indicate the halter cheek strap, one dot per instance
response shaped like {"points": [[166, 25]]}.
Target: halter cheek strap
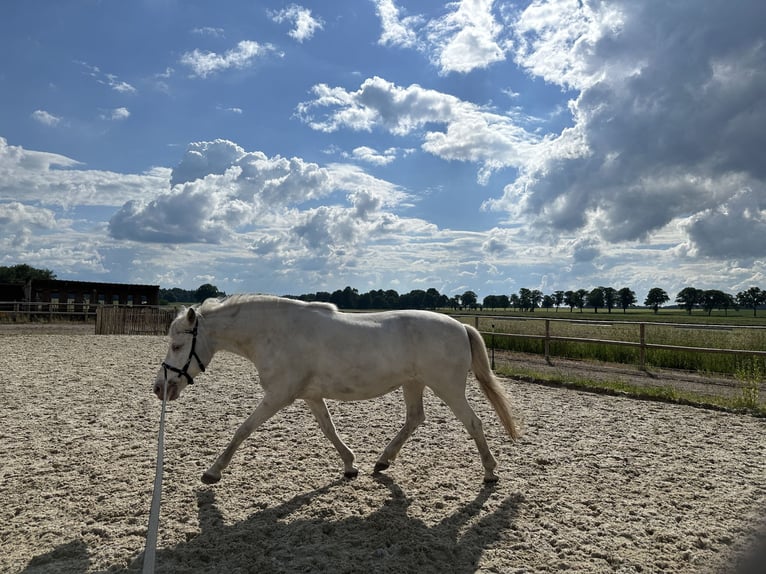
{"points": [[184, 371]]}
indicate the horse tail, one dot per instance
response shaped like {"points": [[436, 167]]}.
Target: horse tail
{"points": [[489, 384]]}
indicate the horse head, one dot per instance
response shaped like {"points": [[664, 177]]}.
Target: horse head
{"points": [[186, 357]]}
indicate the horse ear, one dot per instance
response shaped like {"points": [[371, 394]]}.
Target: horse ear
{"points": [[191, 315]]}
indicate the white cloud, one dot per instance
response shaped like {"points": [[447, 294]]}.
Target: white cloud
{"points": [[472, 133], [52, 179], [45, 118], [396, 31], [304, 24], [242, 56], [371, 155], [667, 117], [200, 212], [118, 85], [466, 38], [117, 114], [110, 80], [18, 221], [209, 31]]}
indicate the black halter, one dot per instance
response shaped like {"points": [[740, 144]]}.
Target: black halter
{"points": [[184, 371]]}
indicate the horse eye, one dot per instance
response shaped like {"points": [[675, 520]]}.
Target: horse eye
{"points": [[176, 347]]}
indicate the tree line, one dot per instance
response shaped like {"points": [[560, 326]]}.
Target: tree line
{"points": [[527, 300]]}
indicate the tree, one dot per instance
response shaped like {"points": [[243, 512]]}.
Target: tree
{"points": [[490, 302], [23, 273], [547, 302], [525, 299], [688, 297], [610, 297], [558, 299], [570, 300], [714, 299], [537, 298], [580, 296], [469, 299], [433, 299], [207, 291], [655, 298], [596, 298], [751, 298], [626, 298]]}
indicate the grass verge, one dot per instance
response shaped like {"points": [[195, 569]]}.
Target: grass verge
{"points": [[745, 402]]}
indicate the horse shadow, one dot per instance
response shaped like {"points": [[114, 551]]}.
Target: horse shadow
{"points": [[387, 540]]}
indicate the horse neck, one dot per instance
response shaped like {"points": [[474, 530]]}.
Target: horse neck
{"points": [[234, 328]]}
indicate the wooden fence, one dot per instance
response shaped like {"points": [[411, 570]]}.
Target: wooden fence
{"points": [[639, 343], [144, 320]]}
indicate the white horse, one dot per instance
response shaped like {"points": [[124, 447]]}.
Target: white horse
{"points": [[311, 351]]}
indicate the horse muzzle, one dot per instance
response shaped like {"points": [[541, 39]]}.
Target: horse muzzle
{"points": [[173, 389]]}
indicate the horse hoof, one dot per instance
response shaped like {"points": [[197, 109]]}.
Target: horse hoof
{"points": [[351, 474], [380, 467], [209, 478], [491, 479]]}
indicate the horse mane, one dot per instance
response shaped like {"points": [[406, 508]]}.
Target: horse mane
{"points": [[248, 298]]}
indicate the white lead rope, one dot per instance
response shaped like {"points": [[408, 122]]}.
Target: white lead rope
{"points": [[154, 512]]}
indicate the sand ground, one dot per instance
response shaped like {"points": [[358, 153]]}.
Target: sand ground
{"points": [[597, 483]]}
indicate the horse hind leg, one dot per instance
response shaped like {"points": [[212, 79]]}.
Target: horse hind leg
{"points": [[322, 415], [413, 400], [458, 404]]}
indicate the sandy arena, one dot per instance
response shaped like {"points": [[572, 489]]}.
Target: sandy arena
{"points": [[597, 483]]}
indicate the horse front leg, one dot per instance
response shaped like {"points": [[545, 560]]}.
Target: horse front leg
{"points": [[267, 408], [322, 415]]}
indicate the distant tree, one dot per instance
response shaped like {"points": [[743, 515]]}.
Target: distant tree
{"points": [[469, 299], [207, 291], [525, 299], [503, 302], [548, 302], [514, 301], [415, 299], [655, 298], [432, 299], [558, 299], [610, 297], [537, 298], [688, 297], [490, 302], [346, 299], [454, 302], [23, 273], [570, 300], [625, 298], [596, 298], [581, 296], [751, 298], [714, 299]]}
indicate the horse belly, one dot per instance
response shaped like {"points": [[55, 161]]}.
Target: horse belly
{"points": [[353, 385]]}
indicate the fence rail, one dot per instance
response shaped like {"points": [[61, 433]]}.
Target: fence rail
{"points": [[108, 319], [22, 311], [641, 343]]}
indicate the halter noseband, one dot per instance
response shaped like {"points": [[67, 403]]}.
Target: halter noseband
{"points": [[184, 371]]}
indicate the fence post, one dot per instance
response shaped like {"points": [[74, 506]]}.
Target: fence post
{"points": [[547, 340], [476, 322], [642, 342]]}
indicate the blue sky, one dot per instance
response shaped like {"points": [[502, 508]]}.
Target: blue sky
{"points": [[290, 148]]}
